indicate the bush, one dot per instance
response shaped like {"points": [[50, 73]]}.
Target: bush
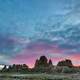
{"points": [[69, 70]]}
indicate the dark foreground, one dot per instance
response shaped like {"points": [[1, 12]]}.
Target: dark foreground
{"points": [[39, 77]]}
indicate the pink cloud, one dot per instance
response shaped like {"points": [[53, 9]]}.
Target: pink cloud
{"points": [[29, 55], [30, 61], [34, 51], [75, 58]]}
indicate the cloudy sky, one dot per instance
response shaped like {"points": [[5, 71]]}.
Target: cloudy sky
{"points": [[31, 28]]}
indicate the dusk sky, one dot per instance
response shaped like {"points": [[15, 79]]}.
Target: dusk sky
{"points": [[31, 28]]}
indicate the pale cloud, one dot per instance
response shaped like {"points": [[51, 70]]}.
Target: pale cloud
{"points": [[4, 59]]}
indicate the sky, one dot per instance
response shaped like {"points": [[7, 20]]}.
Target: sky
{"points": [[31, 28]]}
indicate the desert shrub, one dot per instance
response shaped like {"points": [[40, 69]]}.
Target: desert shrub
{"points": [[69, 70]]}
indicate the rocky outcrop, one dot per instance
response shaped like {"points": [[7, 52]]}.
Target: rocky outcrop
{"points": [[50, 62], [43, 62], [43, 65], [66, 62]]}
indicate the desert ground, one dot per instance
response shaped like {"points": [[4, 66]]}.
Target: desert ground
{"points": [[40, 76]]}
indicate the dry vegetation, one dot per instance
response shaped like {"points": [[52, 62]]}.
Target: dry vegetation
{"points": [[40, 77]]}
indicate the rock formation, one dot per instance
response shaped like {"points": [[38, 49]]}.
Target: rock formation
{"points": [[43, 65], [66, 62], [43, 62]]}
